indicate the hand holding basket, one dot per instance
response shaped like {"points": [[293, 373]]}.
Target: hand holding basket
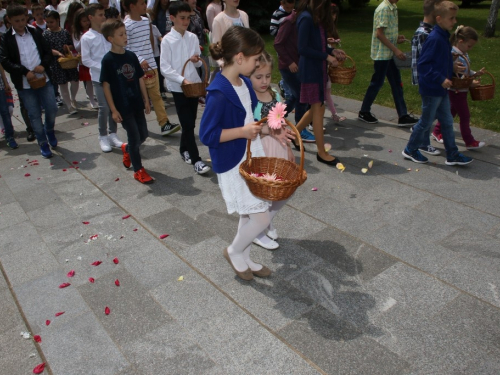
{"points": [[342, 74], [193, 90], [69, 61], [483, 92]]}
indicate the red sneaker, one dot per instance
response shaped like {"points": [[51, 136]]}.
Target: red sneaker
{"points": [[437, 137], [475, 145], [142, 176], [126, 156]]}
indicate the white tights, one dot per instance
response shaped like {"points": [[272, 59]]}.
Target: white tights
{"points": [[90, 92], [250, 227], [65, 92]]}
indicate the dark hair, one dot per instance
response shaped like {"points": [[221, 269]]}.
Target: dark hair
{"points": [[334, 33], [321, 12], [111, 12], [464, 33], [93, 8], [235, 40], [178, 7], [126, 4], [429, 6], [73, 7], [77, 27], [156, 9], [14, 10], [36, 7], [53, 14], [110, 26]]}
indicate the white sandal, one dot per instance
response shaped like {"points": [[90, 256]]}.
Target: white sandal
{"points": [[336, 118]]}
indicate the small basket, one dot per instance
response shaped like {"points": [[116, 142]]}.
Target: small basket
{"points": [[464, 81], [483, 92], [69, 61], [150, 78], [341, 74], [193, 90], [38, 82], [293, 175], [403, 64]]}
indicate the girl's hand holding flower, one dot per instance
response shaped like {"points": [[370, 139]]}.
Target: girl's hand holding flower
{"points": [[251, 130]]}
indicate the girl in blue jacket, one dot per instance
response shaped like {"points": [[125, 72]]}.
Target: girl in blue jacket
{"points": [[226, 125]]}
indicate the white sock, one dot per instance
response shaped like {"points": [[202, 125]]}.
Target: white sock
{"points": [[237, 259], [264, 239], [253, 266]]}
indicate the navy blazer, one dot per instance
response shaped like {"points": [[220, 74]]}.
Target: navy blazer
{"points": [[312, 58]]}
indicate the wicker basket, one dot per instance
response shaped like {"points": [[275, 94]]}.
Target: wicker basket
{"points": [[403, 64], [150, 78], [341, 74], [293, 175], [69, 61], [462, 82], [193, 90], [483, 92], [38, 82]]}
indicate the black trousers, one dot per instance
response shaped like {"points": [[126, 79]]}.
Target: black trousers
{"points": [[187, 109], [137, 131]]}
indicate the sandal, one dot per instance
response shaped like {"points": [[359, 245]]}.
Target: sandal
{"points": [[336, 118]]}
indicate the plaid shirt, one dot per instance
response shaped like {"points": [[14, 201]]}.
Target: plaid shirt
{"points": [[386, 16], [417, 42]]}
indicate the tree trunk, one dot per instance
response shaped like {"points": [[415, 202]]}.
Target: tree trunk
{"points": [[489, 30]]}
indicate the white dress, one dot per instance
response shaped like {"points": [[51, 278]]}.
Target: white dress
{"points": [[232, 185]]}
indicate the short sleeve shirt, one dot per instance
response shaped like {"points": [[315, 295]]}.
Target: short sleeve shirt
{"points": [[122, 72], [386, 16]]}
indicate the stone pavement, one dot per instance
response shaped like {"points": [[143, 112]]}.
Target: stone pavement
{"points": [[395, 271]]}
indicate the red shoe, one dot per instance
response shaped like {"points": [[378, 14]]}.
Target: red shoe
{"points": [[142, 176], [475, 145], [126, 156], [437, 137]]}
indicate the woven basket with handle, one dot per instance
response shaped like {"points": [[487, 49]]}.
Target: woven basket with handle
{"points": [[37, 82], [69, 61], [341, 74], [483, 92], [193, 90], [150, 78], [463, 81], [293, 175]]}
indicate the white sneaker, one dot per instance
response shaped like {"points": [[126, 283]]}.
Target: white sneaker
{"points": [[200, 167], [114, 141], [72, 110], [104, 143], [272, 245], [73, 104], [310, 128]]}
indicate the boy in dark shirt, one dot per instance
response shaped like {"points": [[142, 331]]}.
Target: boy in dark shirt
{"points": [[126, 94]]}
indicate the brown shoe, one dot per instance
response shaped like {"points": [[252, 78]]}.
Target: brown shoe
{"points": [[264, 272], [245, 275]]}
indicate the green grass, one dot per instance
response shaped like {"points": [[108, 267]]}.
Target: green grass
{"points": [[355, 29]]}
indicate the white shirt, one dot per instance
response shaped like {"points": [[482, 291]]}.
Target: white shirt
{"points": [[28, 53], [112, 3], [176, 49], [94, 46], [62, 9]]}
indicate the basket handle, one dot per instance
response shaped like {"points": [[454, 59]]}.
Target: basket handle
{"points": [[492, 78], [204, 64], [297, 135], [463, 76], [350, 58]]}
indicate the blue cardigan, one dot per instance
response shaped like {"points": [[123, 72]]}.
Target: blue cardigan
{"points": [[224, 110], [435, 63], [310, 49]]}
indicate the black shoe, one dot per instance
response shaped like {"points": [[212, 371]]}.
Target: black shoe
{"points": [[407, 120], [170, 128], [30, 137], [297, 147], [367, 117], [333, 162]]}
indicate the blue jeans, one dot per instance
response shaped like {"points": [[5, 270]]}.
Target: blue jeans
{"points": [[293, 82], [434, 107], [4, 112], [34, 100], [385, 68]]}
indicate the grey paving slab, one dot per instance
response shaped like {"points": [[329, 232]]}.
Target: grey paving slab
{"points": [[51, 216], [473, 244], [19, 355], [22, 235], [8, 311], [129, 304], [11, 214], [81, 346], [33, 198], [6, 195]]}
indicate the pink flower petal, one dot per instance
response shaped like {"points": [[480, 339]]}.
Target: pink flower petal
{"points": [[162, 236], [39, 368], [86, 222], [37, 338], [107, 310], [390, 150], [117, 179], [96, 263], [75, 162], [314, 189], [125, 217], [59, 313], [117, 282], [71, 273], [94, 237], [47, 322], [64, 170], [135, 229], [116, 261], [27, 175], [64, 285], [91, 279], [276, 116]]}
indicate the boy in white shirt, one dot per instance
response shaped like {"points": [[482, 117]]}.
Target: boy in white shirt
{"points": [[178, 46], [94, 46]]}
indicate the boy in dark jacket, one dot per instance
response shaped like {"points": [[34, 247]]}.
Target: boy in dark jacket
{"points": [[435, 68], [26, 55]]}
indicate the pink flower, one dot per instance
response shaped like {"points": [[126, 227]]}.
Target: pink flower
{"points": [[276, 116]]}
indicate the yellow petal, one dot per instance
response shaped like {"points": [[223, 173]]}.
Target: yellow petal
{"points": [[364, 170], [370, 164], [180, 278], [416, 170], [408, 169], [340, 167], [328, 147]]}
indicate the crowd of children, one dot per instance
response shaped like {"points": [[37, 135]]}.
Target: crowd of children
{"points": [[133, 52]]}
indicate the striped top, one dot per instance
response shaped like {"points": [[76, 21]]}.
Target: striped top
{"points": [[138, 40]]}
